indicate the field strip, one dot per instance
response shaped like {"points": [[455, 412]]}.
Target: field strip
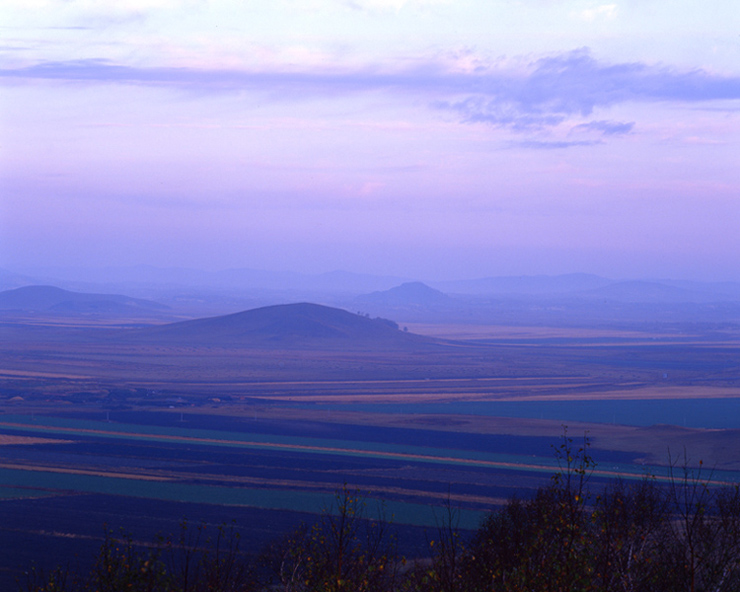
{"points": [[369, 490], [502, 393], [645, 393], [336, 450], [483, 394], [172, 476], [38, 374], [8, 440], [312, 502], [355, 384], [48, 469], [464, 331], [285, 446]]}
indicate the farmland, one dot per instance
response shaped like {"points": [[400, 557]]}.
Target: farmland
{"points": [[101, 430]]}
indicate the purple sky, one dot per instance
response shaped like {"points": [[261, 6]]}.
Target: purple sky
{"points": [[429, 139]]}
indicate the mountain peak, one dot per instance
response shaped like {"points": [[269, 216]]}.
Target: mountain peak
{"points": [[407, 294]]}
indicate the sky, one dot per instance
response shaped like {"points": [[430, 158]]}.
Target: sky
{"points": [[433, 139]]}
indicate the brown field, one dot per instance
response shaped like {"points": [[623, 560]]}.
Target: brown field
{"points": [[460, 331], [10, 440]]}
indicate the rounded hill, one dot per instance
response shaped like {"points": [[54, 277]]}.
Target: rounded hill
{"points": [[407, 294], [286, 326]]}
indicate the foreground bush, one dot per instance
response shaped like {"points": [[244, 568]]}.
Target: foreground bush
{"points": [[343, 551], [637, 537]]}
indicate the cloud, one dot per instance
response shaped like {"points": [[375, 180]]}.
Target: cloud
{"points": [[606, 128], [555, 88], [479, 109], [534, 95], [553, 144]]}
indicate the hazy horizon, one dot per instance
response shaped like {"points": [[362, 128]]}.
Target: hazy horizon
{"points": [[425, 139], [143, 273], [92, 273]]}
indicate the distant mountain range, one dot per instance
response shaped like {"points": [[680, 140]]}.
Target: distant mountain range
{"points": [[564, 300], [525, 284], [145, 276], [144, 279], [50, 299], [632, 305]]}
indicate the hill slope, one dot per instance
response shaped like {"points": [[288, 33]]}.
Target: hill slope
{"points": [[301, 325]]}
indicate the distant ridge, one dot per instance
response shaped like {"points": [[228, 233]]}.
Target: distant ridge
{"points": [[407, 294], [286, 326], [526, 284], [648, 291], [56, 300], [10, 280], [176, 278]]}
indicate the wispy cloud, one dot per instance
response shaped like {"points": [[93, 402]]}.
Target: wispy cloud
{"points": [[503, 113], [540, 94], [553, 144], [574, 84], [607, 128]]}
